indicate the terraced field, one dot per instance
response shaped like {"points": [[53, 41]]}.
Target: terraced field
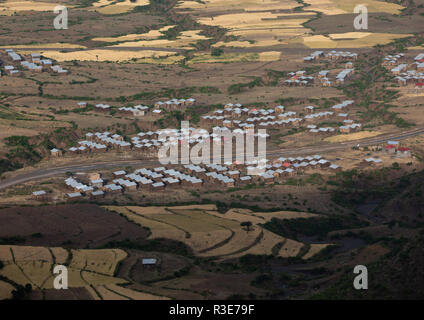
{"points": [[212, 234], [90, 269]]}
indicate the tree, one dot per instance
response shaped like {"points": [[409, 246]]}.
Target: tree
{"points": [[216, 52], [246, 224]]}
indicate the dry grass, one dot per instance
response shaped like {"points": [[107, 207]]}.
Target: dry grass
{"points": [[352, 136], [57, 45], [60, 255], [183, 41], [111, 7], [152, 34], [34, 265], [290, 248], [104, 55], [320, 41], [102, 261], [10, 7], [5, 290], [333, 7], [268, 241], [203, 227], [26, 253], [260, 21]]}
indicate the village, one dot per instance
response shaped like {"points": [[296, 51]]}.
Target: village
{"points": [[13, 64], [233, 119]]}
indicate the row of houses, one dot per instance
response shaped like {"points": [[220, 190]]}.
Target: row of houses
{"points": [[391, 60], [331, 55], [175, 104], [406, 73]]}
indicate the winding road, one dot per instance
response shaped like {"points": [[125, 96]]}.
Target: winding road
{"points": [[37, 173]]}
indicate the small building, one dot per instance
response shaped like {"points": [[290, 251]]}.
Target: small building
{"points": [[391, 149], [149, 261], [74, 196], [119, 173], [56, 153], [97, 194], [40, 195], [404, 152]]}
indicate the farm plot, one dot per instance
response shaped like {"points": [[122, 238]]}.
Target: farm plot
{"points": [[241, 215], [112, 7], [236, 57], [212, 234], [291, 248], [200, 232], [103, 55], [258, 22], [183, 41], [11, 7], [337, 41], [332, 7], [353, 136], [152, 34], [114, 292], [102, 261], [34, 265]]}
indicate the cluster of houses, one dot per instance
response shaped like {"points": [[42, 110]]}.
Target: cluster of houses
{"points": [[136, 111], [299, 78], [175, 104], [393, 148], [36, 64], [196, 176], [331, 55], [237, 116], [407, 73]]}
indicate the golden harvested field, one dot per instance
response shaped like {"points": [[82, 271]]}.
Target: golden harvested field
{"points": [[259, 22], [352, 136], [113, 7], [183, 41], [26, 253], [152, 34], [10, 7], [362, 41], [332, 7], [213, 234], [290, 248], [104, 55], [248, 5], [34, 265], [5, 290], [61, 255], [268, 241], [56, 45]]}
